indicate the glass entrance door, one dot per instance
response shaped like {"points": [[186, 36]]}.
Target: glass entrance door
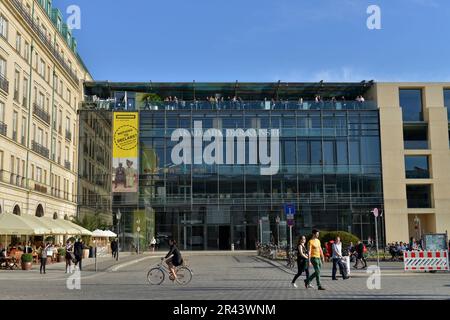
{"points": [[192, 237], [219, 238]]}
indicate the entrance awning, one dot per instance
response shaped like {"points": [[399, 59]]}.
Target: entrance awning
{"points": [[103, 234], [47, 223], [11, 224], [74, 228]]}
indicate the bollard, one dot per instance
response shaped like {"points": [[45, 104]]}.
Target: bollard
{"points": [[232, 247]]}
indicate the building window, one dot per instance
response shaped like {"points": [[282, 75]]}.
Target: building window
{"points": [[15, 125], [2, 68], [415, 137], [19, 43], [447, 102], [3, 27], [38, 174], [417, 167], [40, 136], [2, 112], [26, 53], [53, 149], [411, 104], [418, 196], [16, 85], [25, 92], [23, 131], [42, 68]]}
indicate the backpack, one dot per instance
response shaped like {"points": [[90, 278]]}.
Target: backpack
{"points": [[364, 248]]}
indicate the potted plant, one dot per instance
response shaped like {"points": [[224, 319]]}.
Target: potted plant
{"points": [[61, 254], [27, 261]]}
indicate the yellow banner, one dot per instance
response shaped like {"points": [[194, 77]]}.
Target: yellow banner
{"points": [[125, 152], [126, 134]]}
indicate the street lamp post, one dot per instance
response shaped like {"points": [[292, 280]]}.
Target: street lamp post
{"points": [[118, 216]]}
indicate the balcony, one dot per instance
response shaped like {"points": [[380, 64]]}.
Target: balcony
{"points": [[4, 84], [3, 129], [14, 135], [45, 40], [67, 165], [232, 105], [68, 135], [41, 113], [36, 147]]}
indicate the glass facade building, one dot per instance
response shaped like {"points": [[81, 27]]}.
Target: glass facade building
{"points": [[329, 163]]}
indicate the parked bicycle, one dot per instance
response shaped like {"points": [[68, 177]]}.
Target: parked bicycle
{"points": [[156, 275], [291, 259]]}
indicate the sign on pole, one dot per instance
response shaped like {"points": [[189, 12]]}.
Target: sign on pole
{"points": [[289, 210]]}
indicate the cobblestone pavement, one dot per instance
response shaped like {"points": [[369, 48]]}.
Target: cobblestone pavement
{"points": [[232, 276]]}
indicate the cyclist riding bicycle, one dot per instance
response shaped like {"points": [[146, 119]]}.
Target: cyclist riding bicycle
{"points": [[173, 259]]}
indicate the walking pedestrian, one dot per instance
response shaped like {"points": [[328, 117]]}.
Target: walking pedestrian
{"points": [[69, 256], [315, 259], [44, 249], [114, 248], [78, 251], [302, 260], [360, 255], [153, 244], [337, 260]]}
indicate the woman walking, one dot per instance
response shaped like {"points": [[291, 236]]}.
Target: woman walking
{"points": [[69, 256], [302, 260], [44, 257]]}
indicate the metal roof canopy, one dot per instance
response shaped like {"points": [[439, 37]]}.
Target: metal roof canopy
{"points": [[244, 90]]}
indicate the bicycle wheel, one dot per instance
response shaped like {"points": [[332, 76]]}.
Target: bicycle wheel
{"points": [[155, 276], [184, 276]]}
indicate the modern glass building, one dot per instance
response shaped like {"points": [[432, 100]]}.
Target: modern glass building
{"points": [[328, 152]]}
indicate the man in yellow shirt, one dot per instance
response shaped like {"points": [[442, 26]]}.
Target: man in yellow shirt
{"points": [[316, 258]]}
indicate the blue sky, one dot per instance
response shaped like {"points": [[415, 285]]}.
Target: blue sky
{"points": [[263, 40]]}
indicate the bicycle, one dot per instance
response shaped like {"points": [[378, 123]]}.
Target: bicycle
{"points": [[291, 260], [156, 275]]}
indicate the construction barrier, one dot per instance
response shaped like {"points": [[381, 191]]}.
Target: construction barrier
{"points": [[426, 260]]}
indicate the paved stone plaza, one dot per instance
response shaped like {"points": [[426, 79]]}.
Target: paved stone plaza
{"points": [[217, 276]]}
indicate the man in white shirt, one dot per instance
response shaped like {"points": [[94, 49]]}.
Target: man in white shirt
{"points": [[337, 259]]}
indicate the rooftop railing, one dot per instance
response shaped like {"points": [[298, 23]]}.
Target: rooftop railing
{"points": [[229, 105]]}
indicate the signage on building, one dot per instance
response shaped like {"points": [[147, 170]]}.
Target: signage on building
{"points": [[125, 152]]}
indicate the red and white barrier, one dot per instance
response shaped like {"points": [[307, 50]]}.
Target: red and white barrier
{"points": [[426, 260]]}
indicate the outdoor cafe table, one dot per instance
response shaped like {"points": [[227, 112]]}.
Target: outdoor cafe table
{"points": [[8, 263]]}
